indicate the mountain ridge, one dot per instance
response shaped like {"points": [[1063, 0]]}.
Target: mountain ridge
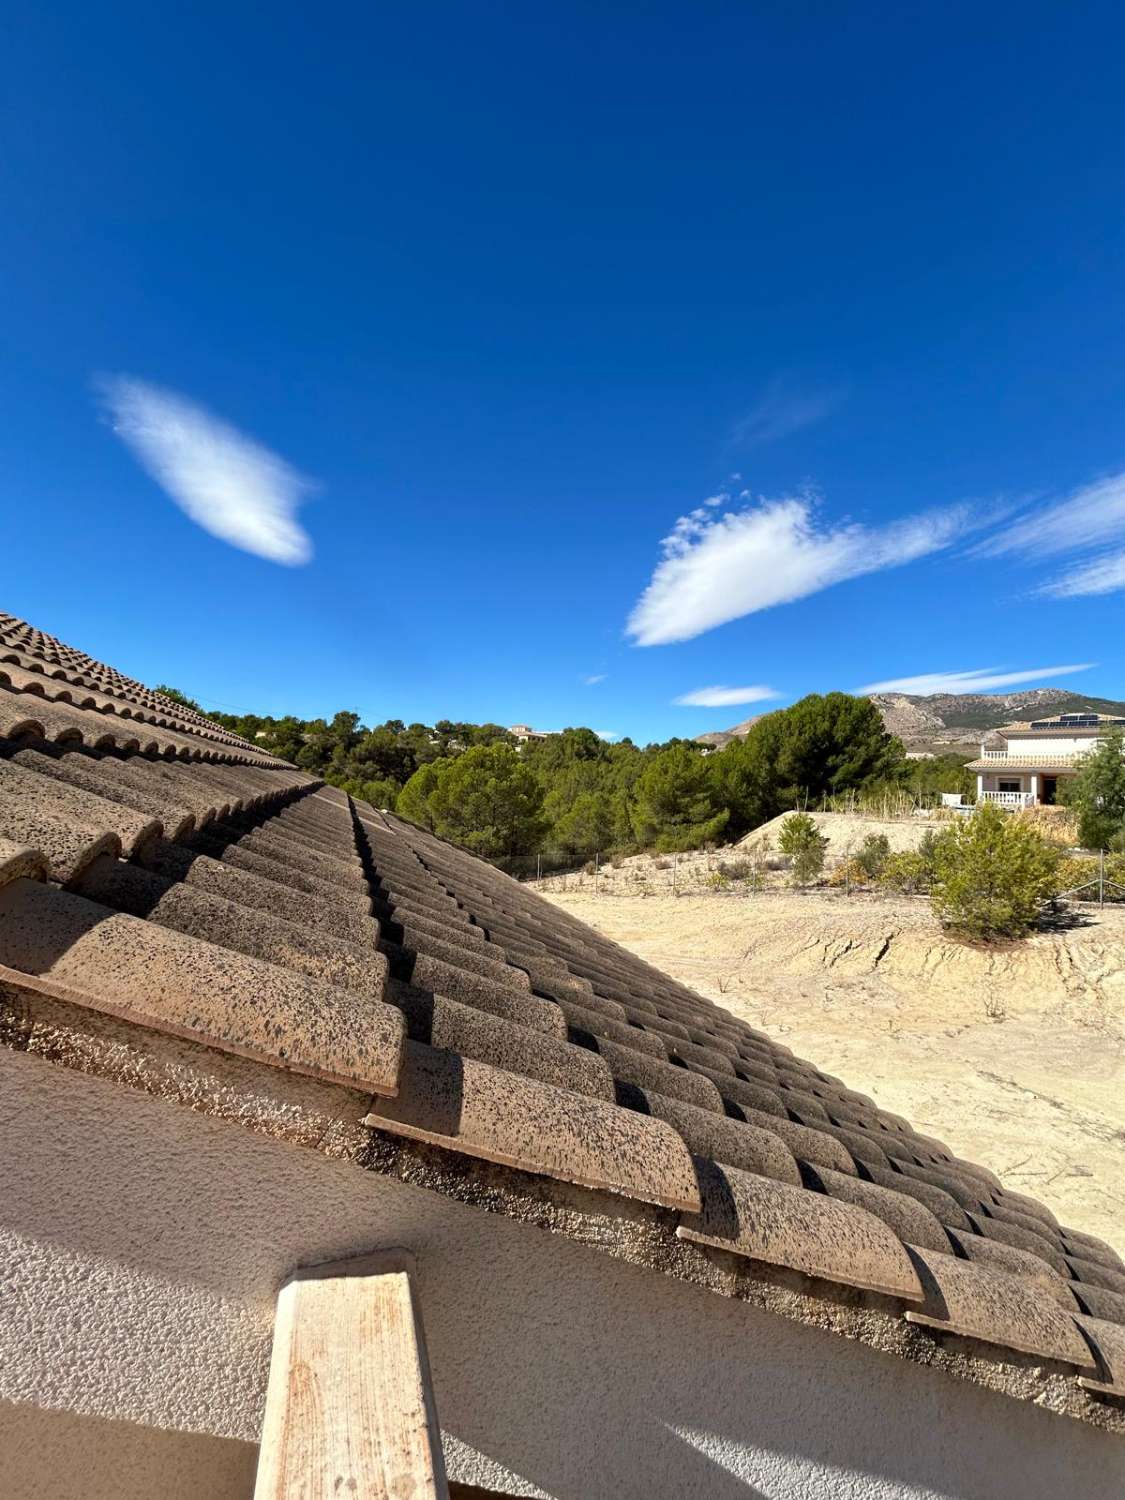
{"points": [[950, 720]]}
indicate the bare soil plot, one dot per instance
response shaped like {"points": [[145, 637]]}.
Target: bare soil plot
{"points": [[1014, 1056]]}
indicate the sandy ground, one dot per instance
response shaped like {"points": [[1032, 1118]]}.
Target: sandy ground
{"points": [[1015, 1057]]}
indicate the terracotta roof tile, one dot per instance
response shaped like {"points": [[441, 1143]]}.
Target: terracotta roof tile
{"points": [[910, 1220], [1108, 1340], [159, 977], [502, 1117], [18, 862], [790, 1226], [967, 1298]]}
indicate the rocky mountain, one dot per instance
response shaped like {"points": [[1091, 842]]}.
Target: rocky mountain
{"points": [[720, 737], [950, 721]]}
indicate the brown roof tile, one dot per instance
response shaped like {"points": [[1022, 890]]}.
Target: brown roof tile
{"points": [[790, 1226], [1108, 1340], [502, 1117], [967, 1298], [159, 977]]}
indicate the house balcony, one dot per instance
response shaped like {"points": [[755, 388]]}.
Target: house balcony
{"points": [[1014, 800], [1008, 758]]}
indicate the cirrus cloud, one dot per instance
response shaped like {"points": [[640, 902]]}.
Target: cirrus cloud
{"points": [[724, 697], [719, 567], [226, 482], [978, 680], [1088, 524]]}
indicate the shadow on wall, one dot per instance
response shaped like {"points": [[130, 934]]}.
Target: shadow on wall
{"points": [[58, 1455], [608, 1379]]}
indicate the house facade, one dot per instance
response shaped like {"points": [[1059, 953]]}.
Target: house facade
{"points": [[523, 734], [1037, 757]]}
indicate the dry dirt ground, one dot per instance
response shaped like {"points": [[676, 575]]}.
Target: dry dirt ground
{"points": [[1015, 1056]]}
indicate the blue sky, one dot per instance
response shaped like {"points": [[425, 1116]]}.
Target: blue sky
{"points": [[435, 364]]}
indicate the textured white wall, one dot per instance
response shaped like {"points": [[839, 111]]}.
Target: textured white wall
{"points": [[142, 1245], [1051, 744]]}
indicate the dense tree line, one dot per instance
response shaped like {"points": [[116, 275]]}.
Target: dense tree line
{"points": [[573, 795]]}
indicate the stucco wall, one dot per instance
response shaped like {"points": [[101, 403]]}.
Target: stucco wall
{"points": [[142, 1245]]}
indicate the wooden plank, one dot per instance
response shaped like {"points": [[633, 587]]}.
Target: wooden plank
{"points": [[349, 1407]]}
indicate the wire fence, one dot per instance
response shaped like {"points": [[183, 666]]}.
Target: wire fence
{"points": [[1099, 888]]}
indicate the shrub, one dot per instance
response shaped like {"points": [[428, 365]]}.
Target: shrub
{"points": [[907, 872], [803, 841], [1077, 871], [848, 872], [873, 854], [1057, 825], [1097, 793], [994, 874], [738, 869], [716, 881], [1073, 872]]}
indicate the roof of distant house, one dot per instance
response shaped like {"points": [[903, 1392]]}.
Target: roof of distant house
{"points": [[158, 871]]}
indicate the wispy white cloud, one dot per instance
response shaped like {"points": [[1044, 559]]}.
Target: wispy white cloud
{"points": [[718, 568], [1088, 525], [226, 482], [783, 409], [979, 680], [1105, 575], [607, 734], [723, 697], [596, 678]]}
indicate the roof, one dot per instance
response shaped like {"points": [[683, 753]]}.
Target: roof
{"points": [[1061, 724], [155, 870], [1042, 762]]}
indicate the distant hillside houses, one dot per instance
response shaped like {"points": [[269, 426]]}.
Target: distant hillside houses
{"points": [[523, 733]]}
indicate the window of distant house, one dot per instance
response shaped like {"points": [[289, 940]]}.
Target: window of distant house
{"points": [[1010, 786]]}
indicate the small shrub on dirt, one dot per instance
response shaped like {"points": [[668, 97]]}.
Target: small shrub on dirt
{"points": [[737, 869], [873, 854], [662, 864], [1075, 871], [716, 881], [1057, 825], [847, 873], [907, 873], [994, 875], [803, 841]]}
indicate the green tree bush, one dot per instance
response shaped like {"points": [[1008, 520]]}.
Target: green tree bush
{"points": [[414, 800], [1097, 793], [873, 854], [675, 806], [488, 801], [821, 746], [993, 876], [802, 840], [906, 872]]}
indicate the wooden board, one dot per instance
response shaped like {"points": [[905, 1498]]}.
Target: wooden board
{"points": [[349, 1407]]}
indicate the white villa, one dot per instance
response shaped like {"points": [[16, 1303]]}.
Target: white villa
{"points": [[522, 733], [1036, 757]]}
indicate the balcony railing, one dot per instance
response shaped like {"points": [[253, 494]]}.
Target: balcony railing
{"points": [[1007, 757], [1008, 799]]}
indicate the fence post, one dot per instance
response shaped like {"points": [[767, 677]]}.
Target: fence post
{"points": [[538, 871], [675, 866], [597, 857], [1101, 877]]}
